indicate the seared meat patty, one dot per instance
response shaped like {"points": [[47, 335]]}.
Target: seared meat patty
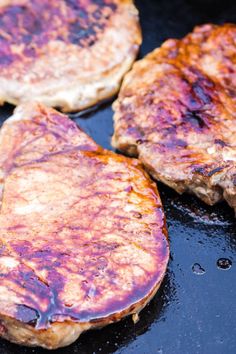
{"points": [[176, 111], [69, 54], [83, 234]]}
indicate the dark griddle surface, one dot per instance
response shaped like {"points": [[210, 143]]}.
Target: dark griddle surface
{"points": [[192, 313]]}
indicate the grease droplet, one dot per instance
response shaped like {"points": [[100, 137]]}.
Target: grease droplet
{"points": [[197, 269], [224, 263]]}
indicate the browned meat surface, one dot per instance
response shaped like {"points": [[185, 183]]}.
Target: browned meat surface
{"points": [[69, 53], [83, 235], [177, 112]]}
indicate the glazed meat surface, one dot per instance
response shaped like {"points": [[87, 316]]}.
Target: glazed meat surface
{"points": [[83, 234], [69, 54], [176, 111]]}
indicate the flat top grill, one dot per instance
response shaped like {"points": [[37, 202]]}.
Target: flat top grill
{"points": [[195, 308]]}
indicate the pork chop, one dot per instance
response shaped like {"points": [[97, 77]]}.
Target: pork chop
{"points": [[176, 111], [83, 235], [69, 54]]}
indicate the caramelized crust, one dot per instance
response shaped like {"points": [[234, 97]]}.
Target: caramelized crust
{"points": [[176, 112], [69, 53], [83, 234]]}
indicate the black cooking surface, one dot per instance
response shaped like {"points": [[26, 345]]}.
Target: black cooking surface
{"points": [[195, 309]]}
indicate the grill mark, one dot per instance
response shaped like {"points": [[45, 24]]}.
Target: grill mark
{"points": [[195, 119], [175, 143], [27, 315], [220, 142], [214, 171], [201, 93]]}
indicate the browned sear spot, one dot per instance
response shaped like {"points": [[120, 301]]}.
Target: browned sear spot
{"points": [[176, 111], [26, 27]]}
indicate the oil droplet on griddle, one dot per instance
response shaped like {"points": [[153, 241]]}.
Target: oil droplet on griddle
{"points": [[224, 263], [197, 269]]}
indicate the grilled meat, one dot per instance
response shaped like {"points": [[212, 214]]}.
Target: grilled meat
{"points": [[83, 234], [69, 54], [177, 112]]}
